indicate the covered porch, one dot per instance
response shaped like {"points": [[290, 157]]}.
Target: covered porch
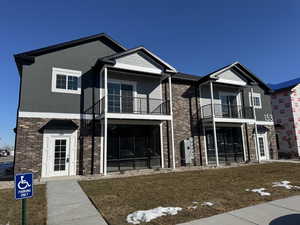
{"points": [[134, 146], [230, 144]]}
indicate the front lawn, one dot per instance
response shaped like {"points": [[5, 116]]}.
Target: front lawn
{"points": [[10, 209], [116, 198]]}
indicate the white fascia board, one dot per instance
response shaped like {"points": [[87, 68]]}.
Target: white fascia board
{"points": [[137, 116], [232, 82], [223, 70], [162, 61], [51, 115], [265, 123], [231, 120], [137, 68]]}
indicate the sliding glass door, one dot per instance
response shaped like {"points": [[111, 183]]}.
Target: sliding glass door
{"points": [[120, 97]]}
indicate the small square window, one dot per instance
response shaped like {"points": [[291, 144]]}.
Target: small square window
{"points": [[72, 83], [256, 100], [66, 81], [61, 81]]}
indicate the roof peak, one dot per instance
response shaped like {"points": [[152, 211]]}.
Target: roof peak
{"points": [[72, 43]]}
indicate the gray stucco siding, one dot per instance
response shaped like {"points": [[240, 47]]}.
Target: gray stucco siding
{"points": [[36, 94], [265, 101], [261, 114]]}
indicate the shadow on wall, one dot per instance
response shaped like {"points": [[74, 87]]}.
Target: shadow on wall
{"points": [[292, 219]]}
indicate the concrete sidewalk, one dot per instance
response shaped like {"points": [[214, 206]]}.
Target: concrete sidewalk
{"points": [[280, 212], [68, 204]]}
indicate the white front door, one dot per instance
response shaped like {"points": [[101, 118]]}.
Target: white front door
{"points": [[59, 154], [263, 146]]}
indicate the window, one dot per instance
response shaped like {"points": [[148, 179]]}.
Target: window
{"points": [[121, 96], [256, 100], [66, 81]]}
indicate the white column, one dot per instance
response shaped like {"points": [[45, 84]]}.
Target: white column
{"points": [[101, 148], [255, 128], [214, 122], [161, 146], [172, 125], [203, 128], [105, 123]]}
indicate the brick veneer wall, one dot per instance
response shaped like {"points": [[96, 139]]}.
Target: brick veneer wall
{"points": [[185, 120], [271, 134], [29, 146]]}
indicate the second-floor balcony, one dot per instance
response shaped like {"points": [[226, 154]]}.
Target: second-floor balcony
{"points": [[227, 111], [131, 105]]}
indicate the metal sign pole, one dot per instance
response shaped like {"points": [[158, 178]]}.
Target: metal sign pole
{"points": [[24, 211]]}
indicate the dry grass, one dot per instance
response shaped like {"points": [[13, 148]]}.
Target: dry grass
{"points": [[10, 209], [116, 198]]}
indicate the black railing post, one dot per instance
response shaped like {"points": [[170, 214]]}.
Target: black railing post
{"points": [[148, 105]]}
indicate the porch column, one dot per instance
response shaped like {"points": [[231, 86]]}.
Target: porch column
{"points": [[172, 125], [161, 146], [214, 122], [255, 128], [105, 123], [102, 146]]}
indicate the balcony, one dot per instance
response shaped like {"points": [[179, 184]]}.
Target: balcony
{"points": [[131, 105], [227, 111]]}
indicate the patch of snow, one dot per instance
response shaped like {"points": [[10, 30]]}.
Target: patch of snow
{"points": [[194, 202], [148, 215], [260, 191], [207, 204], [286, 184]]}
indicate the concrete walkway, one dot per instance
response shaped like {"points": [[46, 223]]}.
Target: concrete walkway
{"points": [[68, 204], [280, 212]]}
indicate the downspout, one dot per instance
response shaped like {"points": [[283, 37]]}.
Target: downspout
{"points": [[255, 128], [246, 127], [198, 122], [214, 122]]}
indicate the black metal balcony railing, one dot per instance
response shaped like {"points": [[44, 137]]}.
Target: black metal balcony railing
{"points": [[129, 104], [227, 111], [137, 105]]}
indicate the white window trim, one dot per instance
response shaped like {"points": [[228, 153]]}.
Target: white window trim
{"points": [[66, 72], [258, 95]]}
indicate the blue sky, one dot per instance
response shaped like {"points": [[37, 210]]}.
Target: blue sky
{"points": [[195, 37]]}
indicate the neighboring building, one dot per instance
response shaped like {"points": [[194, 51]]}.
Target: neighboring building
{"points": [[286, 112], [92, 106]]}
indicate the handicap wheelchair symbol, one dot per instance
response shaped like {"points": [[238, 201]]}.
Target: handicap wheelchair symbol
{"points": [[23, 184]]}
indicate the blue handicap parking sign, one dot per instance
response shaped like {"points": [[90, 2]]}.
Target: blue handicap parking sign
{"points": [[23, 185]]}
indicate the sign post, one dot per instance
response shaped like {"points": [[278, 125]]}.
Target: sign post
{"points": [[23, 190]]}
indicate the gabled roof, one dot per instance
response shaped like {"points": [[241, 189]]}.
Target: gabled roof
{"points": [[112, 58], [102, 36], [285, 85], [238, 67]]}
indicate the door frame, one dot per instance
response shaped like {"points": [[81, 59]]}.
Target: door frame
{"points": [[226, 93], [266, 146], [48, 136], [126, 82]]}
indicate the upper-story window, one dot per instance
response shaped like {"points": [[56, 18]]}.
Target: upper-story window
{"points": [[66, 81], [256, 100]]}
